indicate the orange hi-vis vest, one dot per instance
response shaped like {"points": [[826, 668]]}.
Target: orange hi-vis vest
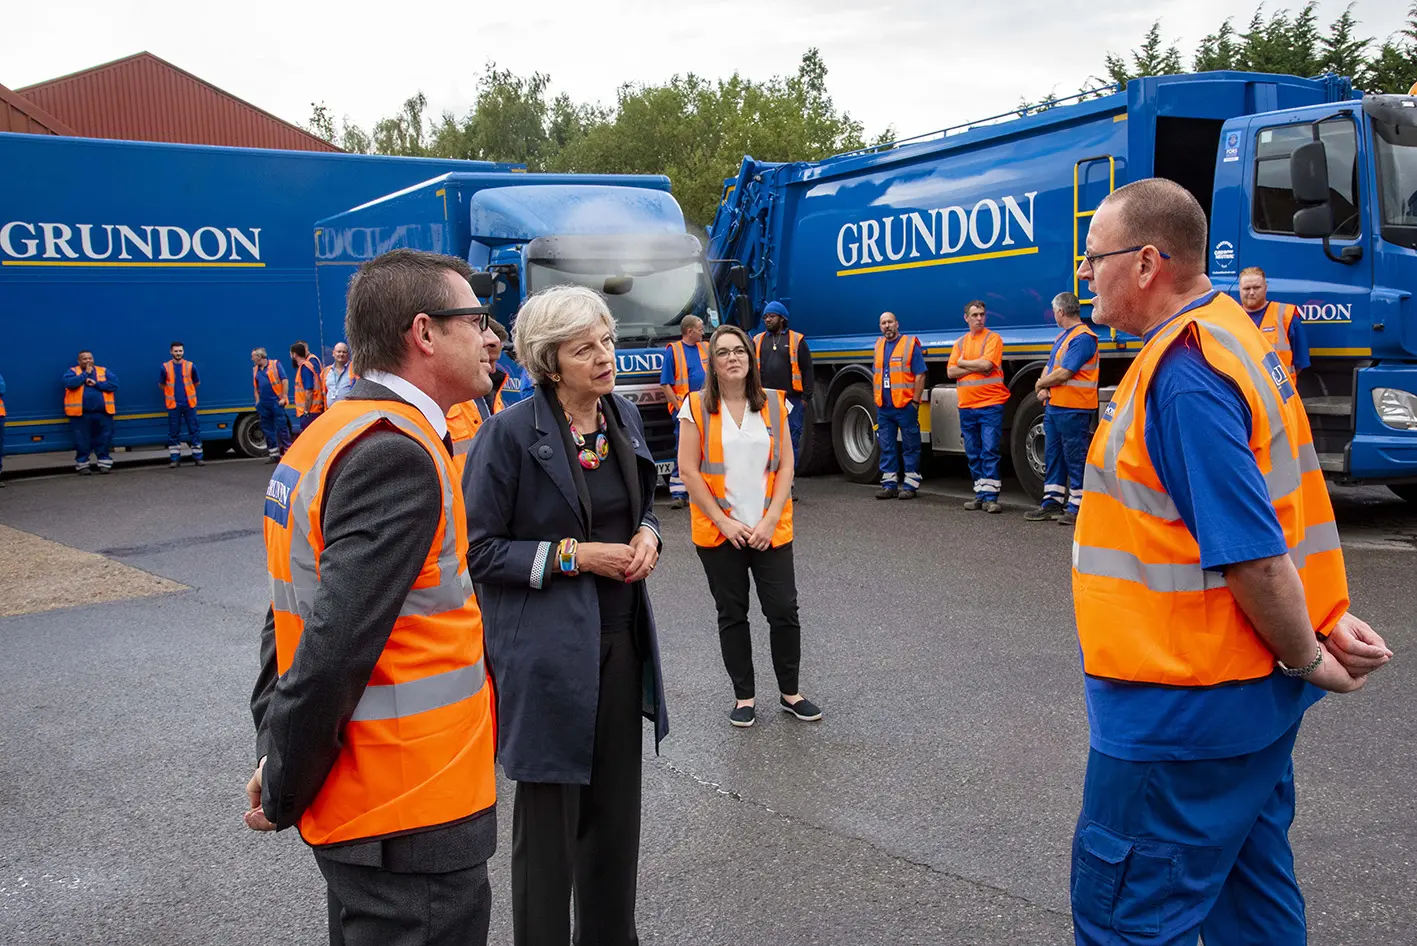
{"points": [[169, 386], [1275, 323], [901, 377], [317, 403], [74, 397], [418, 751], [681, 371], [272, 374], [794, 340], [1146, 610], [1079, 391], [980, 389], [711, 467], [463, 422]]}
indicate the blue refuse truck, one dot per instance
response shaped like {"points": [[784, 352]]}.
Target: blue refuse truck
{"points": [[1307, 178], [621, 235], [123, 247]]}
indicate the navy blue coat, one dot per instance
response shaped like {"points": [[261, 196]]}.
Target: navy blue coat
{"points": [[543, 638]]}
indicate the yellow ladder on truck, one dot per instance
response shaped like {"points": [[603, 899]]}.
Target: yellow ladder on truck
{"points": [[1079, 215]]}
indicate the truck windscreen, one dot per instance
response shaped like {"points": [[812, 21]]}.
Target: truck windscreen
{"points": [[1397, 181], [649, 305]]}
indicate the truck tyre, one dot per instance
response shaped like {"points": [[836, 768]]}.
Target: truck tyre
{"points": [[249, 439], [816, 457], [1407, 491], [854, 434], [1026, 446]]}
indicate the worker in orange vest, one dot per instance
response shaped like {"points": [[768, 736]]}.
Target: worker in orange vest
{"points": [[1068, 389], [1210, 596], [178, 380], [785, 363], [1281, 324], [268, 383], [899, 383], [976, 368], [2, 428], [89, 404], [683, 371], [309, 385]]}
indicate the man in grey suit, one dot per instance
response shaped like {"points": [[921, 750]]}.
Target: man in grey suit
{"points": [[401, 815]]}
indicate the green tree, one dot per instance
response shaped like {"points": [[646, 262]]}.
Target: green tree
{"points": [[1218, 50], [321, 123], [1153, 58], [1344, 52], [403, 133], [1394, 68]]}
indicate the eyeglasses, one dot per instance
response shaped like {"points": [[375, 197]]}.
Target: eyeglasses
{"points": [[1092, 258], [484, 314], [731, 353]]}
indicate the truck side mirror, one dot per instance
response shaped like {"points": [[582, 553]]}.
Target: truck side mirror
{"points": [[617, 285], [743, 312], [1308, 175], [738, 278], [483, 284]]}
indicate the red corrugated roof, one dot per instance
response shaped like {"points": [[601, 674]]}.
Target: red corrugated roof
{"points": [[145, 98], [19, 114]]}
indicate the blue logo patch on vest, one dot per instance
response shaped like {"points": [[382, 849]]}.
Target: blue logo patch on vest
{"points": [[1109, 410], [279, 493], [1278, 375]]}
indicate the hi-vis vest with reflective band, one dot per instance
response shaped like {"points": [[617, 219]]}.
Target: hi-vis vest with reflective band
{"points": [[272, 373], [710, 428], [902, 378], [980, 390], [1079, 391], [1146, 610], [74, 397], [681, 371], [317, 403], [794, 339], [1275, 323], [418, 750], [169, 386], [463, 421]]}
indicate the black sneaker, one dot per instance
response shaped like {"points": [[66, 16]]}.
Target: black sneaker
{"points": [[678, 502], [105, 470], [886, 492], [1044, 513], [84, 471], [201, 462], [273, 458], [1067, 518], [803, 709], [172, 464], [743, 716], [906, 494], [973, 504], [991, 506]]}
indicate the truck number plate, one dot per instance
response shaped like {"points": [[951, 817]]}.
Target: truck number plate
{"points": [[664, 467]]}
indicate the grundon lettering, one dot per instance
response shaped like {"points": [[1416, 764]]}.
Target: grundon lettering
{"points": [[116, 242], [937, 232]]}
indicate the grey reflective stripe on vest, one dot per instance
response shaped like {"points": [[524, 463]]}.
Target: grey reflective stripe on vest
{"points": [[1137, 497], [1164, 577], [1281, 333], [1320, 538], [973, 382], [461, 447], [1075, 383], [398, 700], [448, 595], [774, 428]]}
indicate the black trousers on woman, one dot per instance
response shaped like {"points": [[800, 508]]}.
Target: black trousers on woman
{"points": [[585, 838], [727, 569]]}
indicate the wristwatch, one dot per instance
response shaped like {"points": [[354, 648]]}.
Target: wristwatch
{"points": [[1305, 670]]}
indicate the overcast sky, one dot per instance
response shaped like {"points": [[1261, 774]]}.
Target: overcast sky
{"points": [[914, 64]]}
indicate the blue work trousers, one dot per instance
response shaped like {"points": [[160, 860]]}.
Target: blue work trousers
{"points": [[1066, 437], [306, 419], [176, 418], [795, 418], [275, 425], [1168, 851], [904, 453], [2, 443], [93, 435], [982, 429]]}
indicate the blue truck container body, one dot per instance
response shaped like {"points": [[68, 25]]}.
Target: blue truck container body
{"points": [[999, 212], [123, 247], [536, 230]]}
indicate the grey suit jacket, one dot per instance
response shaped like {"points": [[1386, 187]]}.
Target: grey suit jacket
{"points": [[387, 486]]}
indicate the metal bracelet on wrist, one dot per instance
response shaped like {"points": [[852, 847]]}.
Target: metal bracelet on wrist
{"points": [[1305, 670]]}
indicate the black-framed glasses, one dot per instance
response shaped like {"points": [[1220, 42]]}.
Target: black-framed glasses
{"points": [[483, 312], [1092, 258]]}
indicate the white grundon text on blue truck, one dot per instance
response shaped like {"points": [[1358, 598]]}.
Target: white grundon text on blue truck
{"points": [[23, 243], [940, 232]]}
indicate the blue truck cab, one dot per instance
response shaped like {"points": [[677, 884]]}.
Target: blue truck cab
{"points": [[621, 235]]}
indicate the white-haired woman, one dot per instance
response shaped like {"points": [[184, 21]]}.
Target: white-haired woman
{"points": [[562, 534]]}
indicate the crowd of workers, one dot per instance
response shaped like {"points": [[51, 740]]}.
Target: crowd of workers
{"points": [[436, 564]]}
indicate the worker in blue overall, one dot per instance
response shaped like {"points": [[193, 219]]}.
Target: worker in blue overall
{"points": [[976, 368], [178, 380], [685, 366], [899, 383], [90, 405], [1068, 389], [268, 379], [1211, 602]]}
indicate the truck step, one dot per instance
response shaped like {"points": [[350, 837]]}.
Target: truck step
{"points": [[1331, 462], [1330, 406]]}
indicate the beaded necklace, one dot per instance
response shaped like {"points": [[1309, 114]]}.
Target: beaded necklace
{"points": [[590, 459]]}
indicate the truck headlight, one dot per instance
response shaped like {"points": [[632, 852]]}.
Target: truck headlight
{"points": [[1396, 408]]}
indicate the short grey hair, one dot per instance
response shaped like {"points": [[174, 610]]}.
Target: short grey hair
{"points": [[554, 315], [1066, 304], [254, 351]]}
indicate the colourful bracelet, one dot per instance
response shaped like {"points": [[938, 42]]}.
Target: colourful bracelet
{"points": [[566, 555]]}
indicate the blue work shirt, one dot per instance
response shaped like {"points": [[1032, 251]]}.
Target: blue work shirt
{"points": [[1080, 352], [1198, 436], [917, 362], [691, 360], [93, 394], [179, 390], [1298, 344], [338, 382], [263, 384]]}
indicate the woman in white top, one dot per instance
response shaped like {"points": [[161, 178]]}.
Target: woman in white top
{"points": [[735, 457]]}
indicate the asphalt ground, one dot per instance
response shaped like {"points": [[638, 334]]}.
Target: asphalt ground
{"points": [[934, 804]]}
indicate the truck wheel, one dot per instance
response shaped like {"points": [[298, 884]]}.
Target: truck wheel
{"points": [[1026, 446], [854, 434], [816, 457], [248, 437], [1407, 491]]}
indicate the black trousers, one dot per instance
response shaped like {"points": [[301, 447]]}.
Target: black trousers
{"points": [[727, 569], [370, 906], [585, 838]]}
